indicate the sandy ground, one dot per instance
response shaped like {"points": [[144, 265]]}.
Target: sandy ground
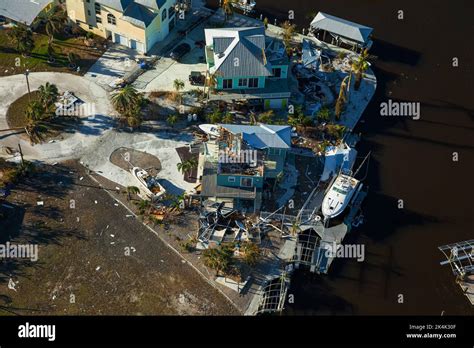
{"points": [[94, 258]]}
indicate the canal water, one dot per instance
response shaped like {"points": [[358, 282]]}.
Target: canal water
{"points": [[412, 160]]}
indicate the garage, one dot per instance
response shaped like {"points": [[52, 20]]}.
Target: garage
{"points": [[137, 45], [120, 39]]}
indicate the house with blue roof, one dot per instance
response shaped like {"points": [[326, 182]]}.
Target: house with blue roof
{"points": [[236, 166], [138, 24], [246, 65]]}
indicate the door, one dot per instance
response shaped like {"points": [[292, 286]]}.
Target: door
{"points": [[137, 45]]}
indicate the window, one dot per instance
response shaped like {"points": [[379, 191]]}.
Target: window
{"points": [[98, 19], [171, 12], [97, 8], [163, 15], [88, 12], [243, 82], [91, 27], [276, 72], [246, 182], [253, 82], [227, 83], [111, 19], [231, 178], [88, 1]]}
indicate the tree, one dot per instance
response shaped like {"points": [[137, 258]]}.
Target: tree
{"points": [[341, 99], [53, 21], [187, 165], [215, 116], [359, 67], [228, 118], [178, 86], [219, 258], [265, 22], [324, 114], [72, 58], [266, 117], [172, 119], [22, 37], [48, 95], [132, 190], [50, 52], [228, 8], [298, 119], [251, 253], [289, 32], [35, 114], [126, 99]]}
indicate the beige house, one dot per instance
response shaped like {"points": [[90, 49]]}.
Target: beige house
{"points": [[138, 24]]}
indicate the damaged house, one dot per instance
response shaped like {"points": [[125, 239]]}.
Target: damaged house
{"points": [[238, 164]]}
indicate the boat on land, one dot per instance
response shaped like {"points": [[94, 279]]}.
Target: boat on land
{"points": [[210, 129], [339, 195], [149, 185], [247, 6]]}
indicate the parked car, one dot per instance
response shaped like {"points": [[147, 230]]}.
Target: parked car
{"points": [[179, 51], [197, 78]]}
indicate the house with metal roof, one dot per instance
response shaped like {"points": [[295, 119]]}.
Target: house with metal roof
{"points": [[341, 32], [245, 65], [138, 24], [25, 11], [241, 162]]}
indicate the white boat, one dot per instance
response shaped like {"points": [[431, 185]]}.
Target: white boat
{"points": [[148, 184], [339, 195], [245, 5], [210, 129]]}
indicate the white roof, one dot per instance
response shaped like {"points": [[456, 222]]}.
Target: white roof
{"points": [[341, 27]]}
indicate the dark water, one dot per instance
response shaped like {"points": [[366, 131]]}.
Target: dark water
{"points": [[412, 160]]}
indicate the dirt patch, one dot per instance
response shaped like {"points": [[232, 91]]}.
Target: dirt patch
{"points": [[127, 158], [16, 114], [93, 256]]}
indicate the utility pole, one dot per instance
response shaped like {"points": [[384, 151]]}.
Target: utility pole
{"points": [[27, 72], [21, 155]]}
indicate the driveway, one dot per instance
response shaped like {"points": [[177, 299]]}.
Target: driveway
{"points": [[114, 64], [93, 125]]}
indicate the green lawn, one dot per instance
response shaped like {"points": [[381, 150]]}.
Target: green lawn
{"points": [[38, 59]]}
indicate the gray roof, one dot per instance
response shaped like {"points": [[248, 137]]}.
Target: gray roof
{"points": [[311, 55], [209, 187], [138, 15], [24, 11], [121, 5], [244, 46], [341, 27], [262, 136]]}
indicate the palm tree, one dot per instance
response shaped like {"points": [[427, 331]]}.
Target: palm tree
{"points": [[251, 253], [178, 85], [172, 119], [289, 32], [53, 21], [50, 52], [132, 190], [228, 118], [341, 100], [359, 67], [72, 58], [126, 99], [228, 8], [22, 37], [187, 166], [324, 114], [219, 258], [35, 114], [48, 94]]}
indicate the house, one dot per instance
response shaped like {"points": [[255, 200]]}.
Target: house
{"points": [[25, 11], [241, 162], [246, 65], [138, 24], [341, 32]]}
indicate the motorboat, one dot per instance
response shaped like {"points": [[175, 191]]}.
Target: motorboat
{"points": [[149, 185], [339, 195], [210, 129], [246, 6]]}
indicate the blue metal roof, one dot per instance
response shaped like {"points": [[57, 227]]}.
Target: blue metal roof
{"points": [[262, 136]]}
